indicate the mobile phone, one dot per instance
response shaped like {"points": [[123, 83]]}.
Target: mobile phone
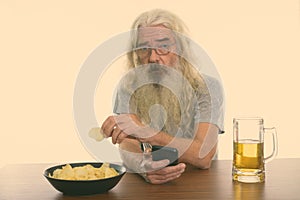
{"points": [[163, 152]]}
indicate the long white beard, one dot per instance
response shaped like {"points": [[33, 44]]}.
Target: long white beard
{"points": [[157, 107], [162, 97]]}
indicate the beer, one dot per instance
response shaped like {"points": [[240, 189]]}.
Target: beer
{"points": [[248, 149], [248, 160]]}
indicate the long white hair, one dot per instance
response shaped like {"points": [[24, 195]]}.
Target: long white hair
{"points": [[141, 101]]}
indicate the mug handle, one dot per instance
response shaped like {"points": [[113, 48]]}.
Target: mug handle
{"points": [[275, 144]]}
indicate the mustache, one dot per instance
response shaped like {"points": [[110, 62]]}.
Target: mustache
{"points": [[154, 67], [156, 73]]}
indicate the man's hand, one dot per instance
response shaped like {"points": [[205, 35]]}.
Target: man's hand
{"points": [[165, 174], [125, 125]]}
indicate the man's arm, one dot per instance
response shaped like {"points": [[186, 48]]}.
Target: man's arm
{"points": [[198, 151]]}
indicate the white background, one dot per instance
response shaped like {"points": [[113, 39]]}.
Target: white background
{"points": [[254, 45]]}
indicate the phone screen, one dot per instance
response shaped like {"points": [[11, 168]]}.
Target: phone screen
{"points": [[162, 152]]}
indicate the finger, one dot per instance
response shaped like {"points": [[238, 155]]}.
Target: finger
{"points": [[131, 125], [125, 123], [107, 126], [151, 166], [115, 134], [166, 176], [159, 179], [163, 176], [170, 169], [121, 137], [109, 130], [155, 165]]}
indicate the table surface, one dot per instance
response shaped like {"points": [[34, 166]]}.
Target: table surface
{"points": [[26, 181]]}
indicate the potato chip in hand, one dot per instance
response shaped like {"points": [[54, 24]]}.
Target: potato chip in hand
{"points": [[96, 134]]}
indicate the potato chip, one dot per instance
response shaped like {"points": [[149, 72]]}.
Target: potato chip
{"points": [[86, 172], [96, 134]]}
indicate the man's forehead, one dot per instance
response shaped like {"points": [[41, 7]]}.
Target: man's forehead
{"points": [[153, 33]]}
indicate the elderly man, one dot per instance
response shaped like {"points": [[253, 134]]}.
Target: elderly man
{"points": [[164, 101]]}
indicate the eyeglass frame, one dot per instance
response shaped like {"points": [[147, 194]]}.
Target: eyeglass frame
{"points": [[156, 49]]}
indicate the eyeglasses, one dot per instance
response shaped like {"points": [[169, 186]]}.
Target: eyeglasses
{"points": [[145, 52]]}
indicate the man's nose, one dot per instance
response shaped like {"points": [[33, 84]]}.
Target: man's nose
{"points": [[154, 57]]}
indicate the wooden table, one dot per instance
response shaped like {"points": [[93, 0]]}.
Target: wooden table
{"points": [[26, 181]]}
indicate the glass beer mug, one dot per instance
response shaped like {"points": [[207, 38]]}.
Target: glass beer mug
{"points": [[248, 149]]}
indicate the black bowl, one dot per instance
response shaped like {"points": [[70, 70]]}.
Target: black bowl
{"points": [[85, 187]]}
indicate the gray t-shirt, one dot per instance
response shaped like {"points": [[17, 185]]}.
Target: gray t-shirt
{"points": [[202, 107]]}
